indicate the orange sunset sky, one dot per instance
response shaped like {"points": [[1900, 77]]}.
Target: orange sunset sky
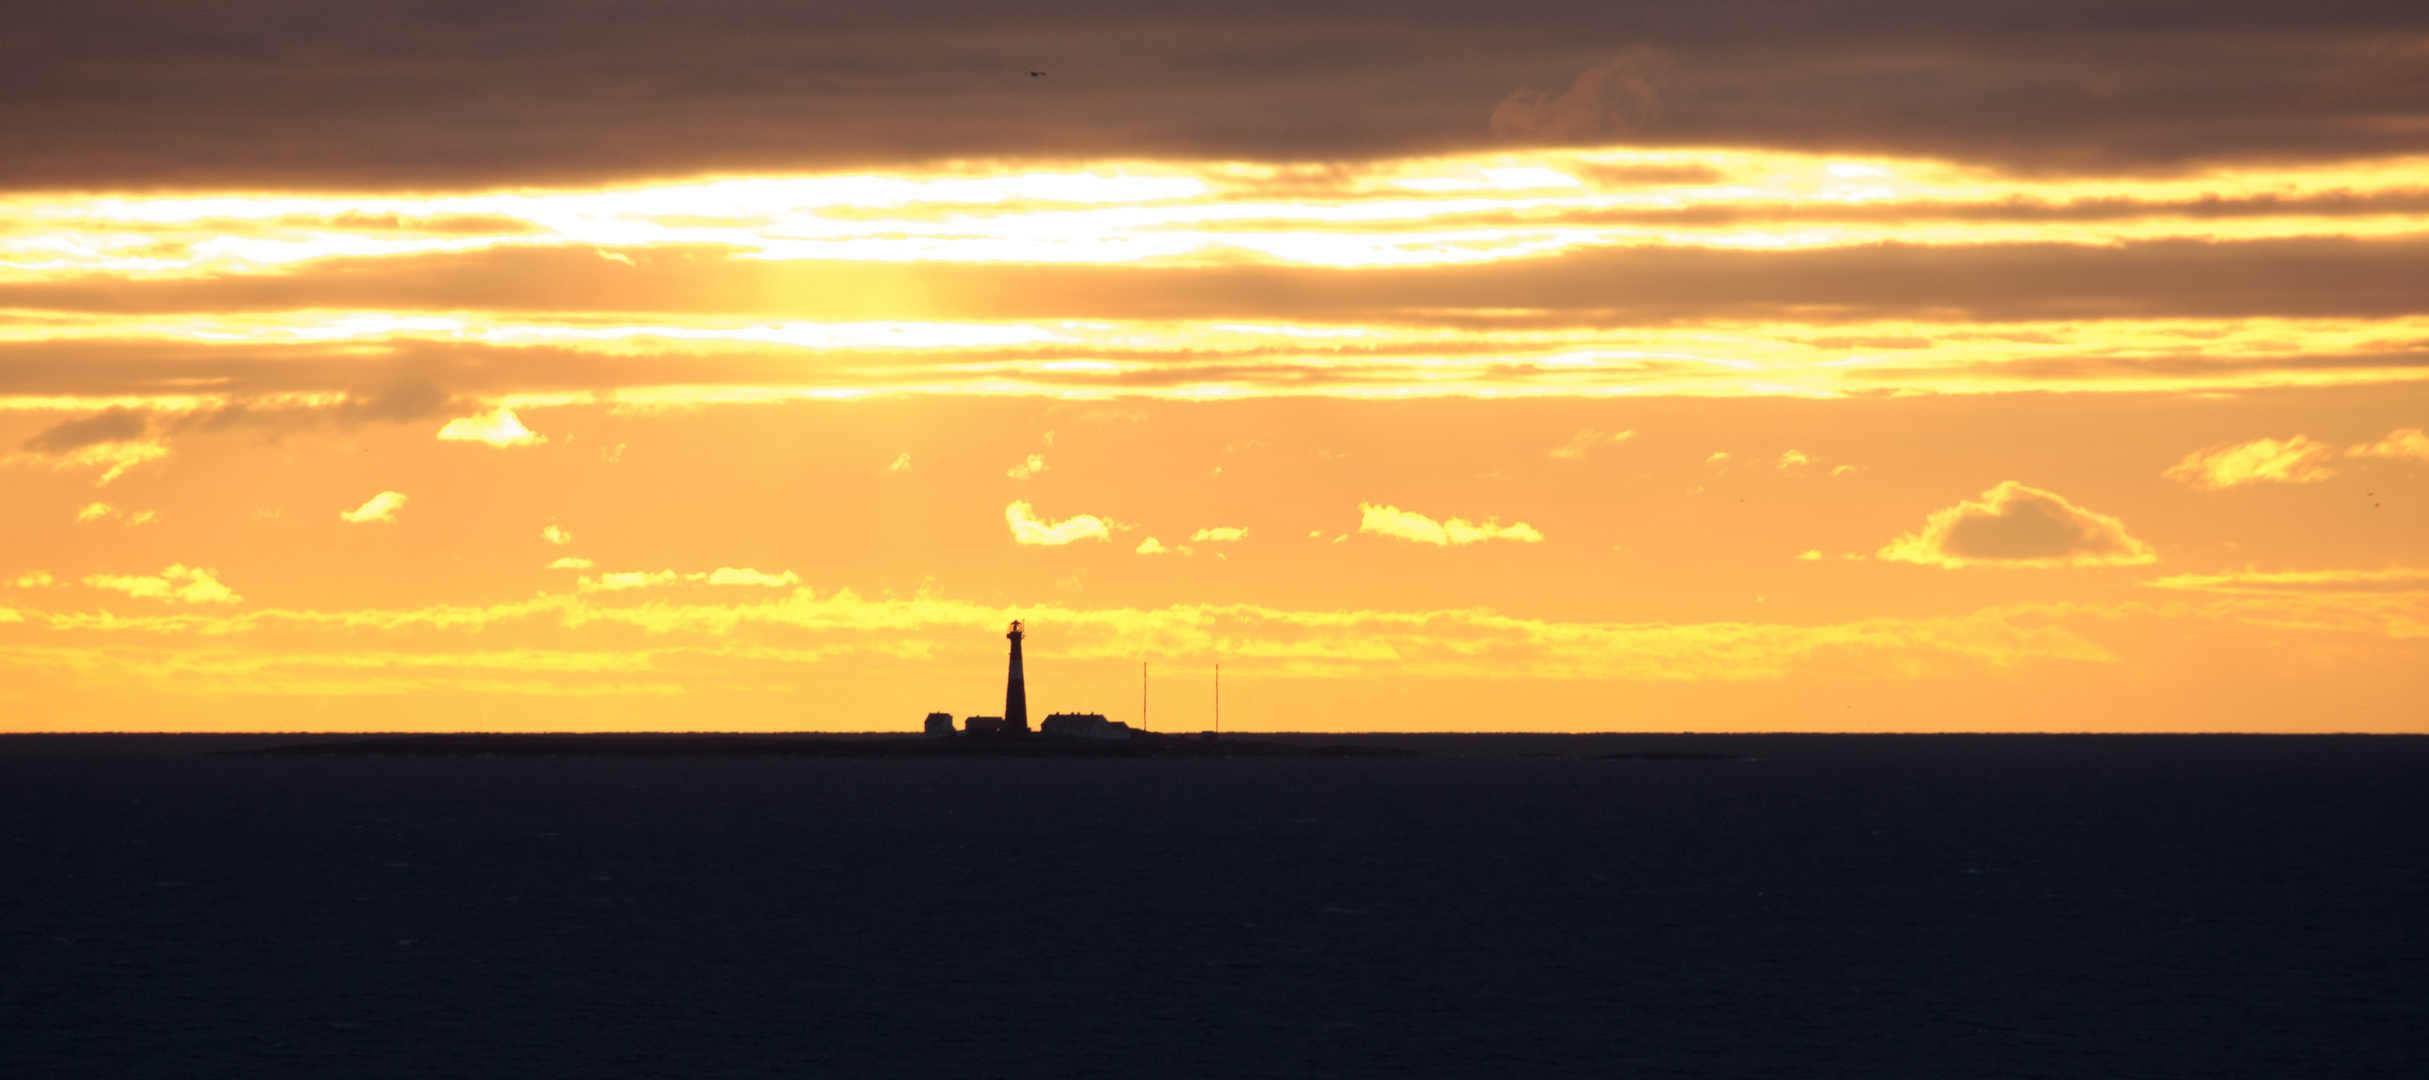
{"points": [[1558, 367]]}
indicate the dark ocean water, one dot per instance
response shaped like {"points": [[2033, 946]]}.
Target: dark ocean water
{"points": [[1837, 906]]}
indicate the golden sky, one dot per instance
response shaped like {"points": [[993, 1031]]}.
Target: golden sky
{"points": [[1563, 389]]}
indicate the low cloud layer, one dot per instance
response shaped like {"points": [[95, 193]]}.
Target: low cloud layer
{"points": [[2015, 525]]}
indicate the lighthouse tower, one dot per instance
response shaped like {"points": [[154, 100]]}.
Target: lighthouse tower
{"points": [[1016, 691]]}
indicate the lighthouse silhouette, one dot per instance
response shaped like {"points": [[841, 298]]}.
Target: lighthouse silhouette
{"points": [[1016, 690]]}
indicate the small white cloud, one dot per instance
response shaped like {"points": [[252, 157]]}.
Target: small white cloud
{"points": [[1794, 460], [1814, 555], [2015, 525], [727, 575], [35, 579], [381, 508], [1220, 535], [1049, 439], [2400, 443], [1033, 465], [1028, 528], [1406, 525], [571, 562], [1719, 457], [186, 584], [1152, 546], [557, 536], [901, 464], [1841, 470], [1586, 440], [613, 454], [142, 517], [499, 428], [2280, 461]]}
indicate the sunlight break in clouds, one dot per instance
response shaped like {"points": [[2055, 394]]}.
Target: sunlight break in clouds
{"points": [[1028, 528], [2297, 460], [499, 428], [2400, 443], [1407, 525], [191, 585], [2015, 525], [380, 508]]}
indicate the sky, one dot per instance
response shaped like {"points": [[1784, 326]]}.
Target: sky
{"points": [[1424, 366]]}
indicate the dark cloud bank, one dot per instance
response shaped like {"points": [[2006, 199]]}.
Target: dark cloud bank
{"points": [[149, 93]]}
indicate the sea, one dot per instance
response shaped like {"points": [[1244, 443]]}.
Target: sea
{"points": [[1504, 906]]}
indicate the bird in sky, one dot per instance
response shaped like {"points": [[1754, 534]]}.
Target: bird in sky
{"points": [[1037, 74]]}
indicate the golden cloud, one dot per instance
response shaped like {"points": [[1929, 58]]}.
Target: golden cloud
{"points": [[2400, 443], [2015, 525], [1408, 525], [381, 508], [1028, 528], [497, 428], [177, 584], [1585, 440], [2389, 580], [2297, 460]]}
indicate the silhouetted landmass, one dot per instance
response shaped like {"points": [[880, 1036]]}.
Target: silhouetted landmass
{"points": [[1505, 906], [1141, 744]]}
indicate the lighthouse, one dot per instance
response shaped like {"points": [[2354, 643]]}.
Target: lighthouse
{"points": [[1016, 691]]}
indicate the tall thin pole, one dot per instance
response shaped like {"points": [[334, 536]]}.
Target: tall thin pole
{"points": [[1142, 695], [1218, 697]]}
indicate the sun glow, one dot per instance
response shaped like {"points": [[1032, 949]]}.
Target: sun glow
{"points": [[1416, 212]]}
